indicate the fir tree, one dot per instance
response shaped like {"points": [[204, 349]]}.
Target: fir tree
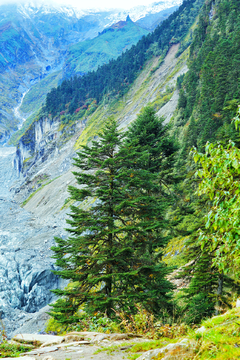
{"points": [[208, 290], [149, 132], [113, 254]]}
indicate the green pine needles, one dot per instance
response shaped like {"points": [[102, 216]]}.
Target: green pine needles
{"points": [[113, 256]]}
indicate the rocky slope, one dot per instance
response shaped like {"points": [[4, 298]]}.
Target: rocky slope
{"points": [[25, 275]]}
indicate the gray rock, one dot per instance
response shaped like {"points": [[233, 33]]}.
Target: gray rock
{"points": [[152, 354], [44, 350], [22, 358], [31, 338], [34, 323], [238, 303], [201, 330]]}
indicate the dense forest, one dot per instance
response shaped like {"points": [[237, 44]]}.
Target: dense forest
{"points": [[114, 78], [208, 101], [211, 87]]}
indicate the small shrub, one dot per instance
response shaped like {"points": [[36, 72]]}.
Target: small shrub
{"points": [[140, 323], [12, 350]]}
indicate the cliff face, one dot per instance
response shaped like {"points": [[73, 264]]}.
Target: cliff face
{"points": [[33, 144]]}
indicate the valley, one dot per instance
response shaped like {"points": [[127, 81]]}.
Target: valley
{"points": [[163, 259], [45, 184], [36, 57], [42, 177]]}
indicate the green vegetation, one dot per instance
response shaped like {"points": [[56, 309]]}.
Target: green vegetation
{"points": [[219, 171], [12, 350], [154, 203], [115, 248], [37, 95], [114, 78], [208, 192], [213, 77], [90, 54], [221, 339]]}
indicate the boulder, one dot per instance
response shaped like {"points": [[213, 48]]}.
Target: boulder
{"points": [[117, 337], [65, 343], [153, 354], [238, 303], [22, 358], [201, 330], [70, 338], [43, 350], [33, 338], [76, 343]]}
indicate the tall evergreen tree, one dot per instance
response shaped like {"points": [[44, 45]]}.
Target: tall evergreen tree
{"points": [[113, 254], [149, 132]]}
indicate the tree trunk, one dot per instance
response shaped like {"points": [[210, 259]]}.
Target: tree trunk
{"points": [[219, 292]]}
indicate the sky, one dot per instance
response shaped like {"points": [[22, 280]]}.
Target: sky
{"points": [[90, 4], [126, 4]]}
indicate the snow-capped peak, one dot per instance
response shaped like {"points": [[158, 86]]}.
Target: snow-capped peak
{"points": [[32, 8]]}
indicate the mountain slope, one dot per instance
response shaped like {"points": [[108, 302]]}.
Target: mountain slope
{"points": [[34, 40], [45, 150], [213, 78], [151, 21], [109, 44], [44, 161], [114, 78], [83, 57]]}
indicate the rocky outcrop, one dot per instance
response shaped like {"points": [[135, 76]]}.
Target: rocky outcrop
{"points": [[42, 141], [33, 142]]}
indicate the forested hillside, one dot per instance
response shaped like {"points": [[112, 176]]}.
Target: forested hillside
{"points": [[212, 82], [109, 44], [208, 101], [114, 78], [208, 98]]}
